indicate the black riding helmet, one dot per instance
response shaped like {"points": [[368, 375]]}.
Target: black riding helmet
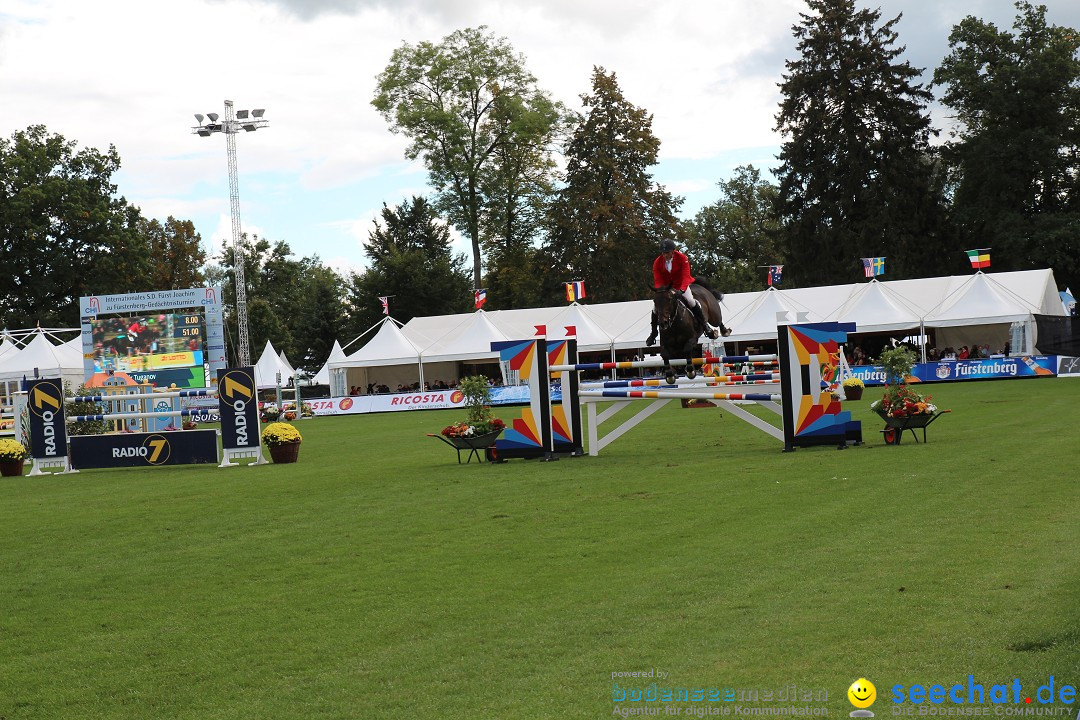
{"points": [[667, 245]]}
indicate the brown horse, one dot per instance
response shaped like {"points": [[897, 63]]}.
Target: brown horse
{"points": [[679, 330]]}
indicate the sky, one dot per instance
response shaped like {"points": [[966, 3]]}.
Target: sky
{"points": [[133, 73]]}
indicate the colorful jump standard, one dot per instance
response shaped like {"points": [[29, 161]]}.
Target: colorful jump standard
{"points": [[808, 353]]}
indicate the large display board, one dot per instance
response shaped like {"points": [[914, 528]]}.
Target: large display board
{"points": [[164, 338]]}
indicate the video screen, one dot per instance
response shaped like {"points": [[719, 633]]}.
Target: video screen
{"points": [[145, 343]]}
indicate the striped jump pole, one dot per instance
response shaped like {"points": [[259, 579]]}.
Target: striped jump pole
{"points": [[659, 362], [133, 415], [141, 396], [679, 394], [756, 378]]}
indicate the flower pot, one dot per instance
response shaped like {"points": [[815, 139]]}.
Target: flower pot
{"points": [[286, 453], [853, 393], [11, 468]]}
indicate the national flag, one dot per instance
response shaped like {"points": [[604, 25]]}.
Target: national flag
{"points": [[775, 273], [979, 257], [575, 290], [480, 297], [385, 300], [873, 266]]}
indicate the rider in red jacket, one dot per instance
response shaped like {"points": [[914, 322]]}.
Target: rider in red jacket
{"points": [[672, 268]]}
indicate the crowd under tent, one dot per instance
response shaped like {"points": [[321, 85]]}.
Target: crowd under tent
{"points": [[468, 344], [389, 358]]}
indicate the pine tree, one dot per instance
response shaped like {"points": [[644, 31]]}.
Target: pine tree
{"points": [[605, 225], [857, 177]]}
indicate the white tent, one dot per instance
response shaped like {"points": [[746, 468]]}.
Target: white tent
{"points": [[982, 310], [470, 341], [590, 336], [268, 367], [757, 321], [40, 358], [323, 376], [389, 350], [874, 307]]}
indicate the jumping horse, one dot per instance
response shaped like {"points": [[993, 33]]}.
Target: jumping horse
{"points": [[679, 330]]}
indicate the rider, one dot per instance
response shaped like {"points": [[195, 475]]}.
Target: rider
{"points": [[672, 268]]}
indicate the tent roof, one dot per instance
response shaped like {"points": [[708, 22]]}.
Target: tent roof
{"points": [[470, 340], [590, 336], [323, 376], [389, 346], [757, 320], [874, 307], [268, 367], [49, 360], [980, 300]]}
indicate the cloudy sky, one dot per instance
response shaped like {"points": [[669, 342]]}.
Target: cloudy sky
{"points": [[132, 73]]}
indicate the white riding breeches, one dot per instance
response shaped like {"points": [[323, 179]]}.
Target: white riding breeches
{"points": [[688, 295]]}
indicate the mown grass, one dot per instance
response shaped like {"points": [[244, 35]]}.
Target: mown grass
{"points": [[377, 578]]}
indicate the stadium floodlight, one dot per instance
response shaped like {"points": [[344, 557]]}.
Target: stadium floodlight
{"points": [[231, 127], [198, 118]]}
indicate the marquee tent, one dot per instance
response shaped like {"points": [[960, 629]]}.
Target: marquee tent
{"points": [[396, 358], [40, 358], [268, 367]]}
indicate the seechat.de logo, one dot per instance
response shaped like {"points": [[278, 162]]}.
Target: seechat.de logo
{"points": [[237, 388], [46, 399]]}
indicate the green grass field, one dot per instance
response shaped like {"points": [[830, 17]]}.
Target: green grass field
{"points": [[377, 578]]}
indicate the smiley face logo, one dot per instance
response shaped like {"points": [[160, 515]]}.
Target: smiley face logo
{"points": [[862, 693]]}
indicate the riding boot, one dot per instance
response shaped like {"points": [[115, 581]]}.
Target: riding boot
{"points": [[699, 315]]}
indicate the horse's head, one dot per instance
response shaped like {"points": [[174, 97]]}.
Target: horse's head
{"points": [[666, 304]]}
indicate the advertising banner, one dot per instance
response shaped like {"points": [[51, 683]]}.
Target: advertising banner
{"points": [[238, 407], [982, 369], [48, 435], [186, 447], [434, 400]]}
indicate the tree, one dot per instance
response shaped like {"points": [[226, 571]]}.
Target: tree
{"points": [[411, 260], [1014, 159], [605, 225], [856, 177], [176, 249], [731, 240], [463, 103], [64, 233]]}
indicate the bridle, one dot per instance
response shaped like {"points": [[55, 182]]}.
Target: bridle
{"points": [[666, 320]]}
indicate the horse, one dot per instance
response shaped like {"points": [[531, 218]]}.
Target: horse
{"points": [[679, 330]]}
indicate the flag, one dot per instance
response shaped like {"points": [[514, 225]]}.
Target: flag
{"points": [[575, 290], [980, 257], [775, 272], [873, 266], [480, 296], [385, 300]]}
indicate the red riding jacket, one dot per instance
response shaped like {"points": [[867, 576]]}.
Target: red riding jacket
{"points": [[677, 277]]}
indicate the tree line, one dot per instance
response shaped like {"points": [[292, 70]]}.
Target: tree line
{"points": [[546, 195]]}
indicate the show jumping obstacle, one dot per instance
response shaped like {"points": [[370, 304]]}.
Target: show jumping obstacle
{"points": [[807, 355]]}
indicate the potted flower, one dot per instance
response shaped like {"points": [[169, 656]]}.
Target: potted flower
{"points": [[270, 413], [283, 440], [480, 427], [12, 456], [853, 388], [901, 406]]}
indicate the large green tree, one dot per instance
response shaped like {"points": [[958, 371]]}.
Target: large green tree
{"points": [[465, 104], [412, 262], [64, 232], [856, 176], [606, 223], [1014, 157], [177, 252], [732, 241]]}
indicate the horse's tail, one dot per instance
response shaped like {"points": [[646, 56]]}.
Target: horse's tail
{"points": [[715, 293]]}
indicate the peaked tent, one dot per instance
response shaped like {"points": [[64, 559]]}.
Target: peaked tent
{"points": [[395, 356], [469, 341], [874, 307], [757, 320], [323, 376], [977, 302], [590, 336], [268, 367], [50, 361]]}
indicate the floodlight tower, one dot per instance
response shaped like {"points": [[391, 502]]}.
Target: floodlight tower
{"points": [[231, 126]]}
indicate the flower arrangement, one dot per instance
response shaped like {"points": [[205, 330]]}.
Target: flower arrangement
{"points": [[479, 420], [900, 400], [853, 382], [269, 413], [280, 433], [12, 450], [190, 425]]}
